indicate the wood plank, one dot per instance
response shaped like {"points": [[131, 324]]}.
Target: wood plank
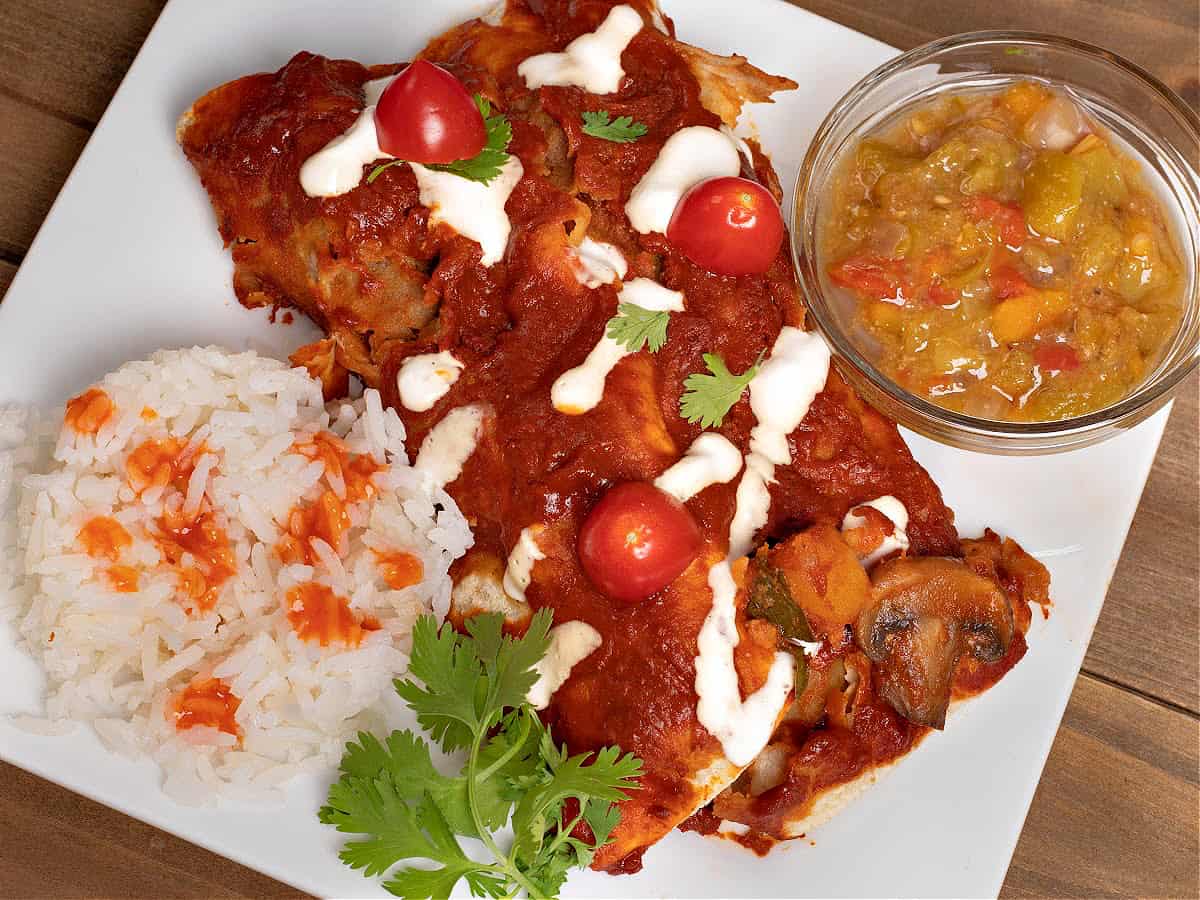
{"points": [[7, 271], [1157, 34], [59, 844], [37, 151], [1151, 602], [69, 57], [1115, 813]]}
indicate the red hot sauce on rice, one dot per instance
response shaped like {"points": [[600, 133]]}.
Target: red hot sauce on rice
{"points": [[206, 701]]}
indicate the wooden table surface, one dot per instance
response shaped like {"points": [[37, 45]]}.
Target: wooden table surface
{"points": [[1117, 809]]}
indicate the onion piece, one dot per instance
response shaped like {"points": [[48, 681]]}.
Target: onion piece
{"points": [[1057, 125]]}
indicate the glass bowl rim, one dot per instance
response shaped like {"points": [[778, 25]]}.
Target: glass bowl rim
{"points": [[1013, 436]]}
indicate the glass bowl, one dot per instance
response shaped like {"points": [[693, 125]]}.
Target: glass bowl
{"points": [[1153, 122]]}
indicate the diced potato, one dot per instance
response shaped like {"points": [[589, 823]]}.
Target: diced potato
{"points": [[1015, 319], [825, 578], [1053, 195], [1020, 318]]}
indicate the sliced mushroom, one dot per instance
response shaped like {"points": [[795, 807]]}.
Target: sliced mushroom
{"points": [[927, 612]]}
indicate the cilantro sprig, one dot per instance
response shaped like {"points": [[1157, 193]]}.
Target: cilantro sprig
{"points": [[707, 399], [622, 130], [485, 165], [635, 326], [471, 694]]}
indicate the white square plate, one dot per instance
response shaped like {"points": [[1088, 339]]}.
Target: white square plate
{"points": [[129, 261]]}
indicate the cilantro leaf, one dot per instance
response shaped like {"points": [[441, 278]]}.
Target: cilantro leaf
{"points": [[447, 706], [707, 399], [602, 818], [486, 164], [404, 759], [440, 846], [608, 776], [472, 693], [372, 807], [635, 326], [623, 130], [514, 660]]}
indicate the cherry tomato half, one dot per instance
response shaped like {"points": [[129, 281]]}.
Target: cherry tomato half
{"points": [[426, 116], [636, 541], [731, 226]]}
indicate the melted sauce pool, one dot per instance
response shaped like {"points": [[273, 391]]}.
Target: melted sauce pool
{"points": [[320, 616], [90, 411], [327, 518], [124, 579], [207, 702], [400, 569], [158, 463], [212, 561], [104, 537]]}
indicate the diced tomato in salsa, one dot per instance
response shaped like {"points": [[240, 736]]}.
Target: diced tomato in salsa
{"points": [[874, 276], [1009, 220], [942, 295], [1057, 358], [1006, 282]]}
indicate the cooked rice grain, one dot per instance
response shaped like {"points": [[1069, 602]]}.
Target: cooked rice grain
{"points": [[119, 660]]}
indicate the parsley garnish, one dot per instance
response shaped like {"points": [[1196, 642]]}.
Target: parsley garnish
{"points": [[708, 398], [472, 695], [484, 165], [634, 326], [621, 131]]}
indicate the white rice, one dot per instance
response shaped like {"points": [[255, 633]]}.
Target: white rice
{"points": [[116, 660]]}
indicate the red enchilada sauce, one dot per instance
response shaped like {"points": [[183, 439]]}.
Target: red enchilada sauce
{"points": [[519, 324]]}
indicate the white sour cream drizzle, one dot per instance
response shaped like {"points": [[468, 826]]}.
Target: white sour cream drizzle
{"points": [[570, 643], [473, 209], [598, 263], [742, 726], [592, 61], [519, 571], [712, 459], [424, 380], [895, 512], [580, 389], [337, 167], [689, 156], [780, 396], [449, 445]]}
